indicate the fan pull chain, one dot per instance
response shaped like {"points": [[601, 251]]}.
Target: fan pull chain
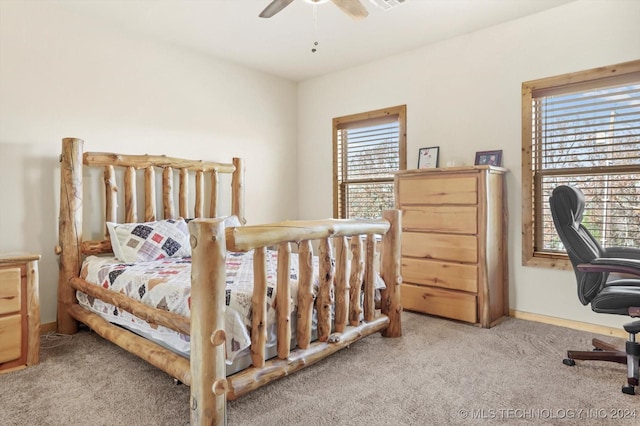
{"points": [[314, 49]]}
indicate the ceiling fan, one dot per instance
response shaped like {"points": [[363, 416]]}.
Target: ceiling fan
{"points": [[353, 8]]}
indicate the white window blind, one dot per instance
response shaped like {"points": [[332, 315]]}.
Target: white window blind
{"points": [[588, 135], [368, 152]]}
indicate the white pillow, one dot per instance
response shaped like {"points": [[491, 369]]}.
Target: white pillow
{"points": [[144, 242]]}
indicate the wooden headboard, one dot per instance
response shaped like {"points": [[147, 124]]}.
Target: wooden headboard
{"points": [[72, 246]]}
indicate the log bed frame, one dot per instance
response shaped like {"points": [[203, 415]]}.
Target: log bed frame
{"points": [[205, 371]]}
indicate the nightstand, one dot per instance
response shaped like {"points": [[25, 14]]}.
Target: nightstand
{"points": [[19, 311]]}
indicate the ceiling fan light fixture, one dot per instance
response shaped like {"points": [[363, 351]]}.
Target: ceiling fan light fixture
{"points": [[386, 4], [353, 8]]}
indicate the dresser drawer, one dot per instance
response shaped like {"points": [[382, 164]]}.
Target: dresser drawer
{"points": [[460, 248], [10, 338], [449, 304], [456, 219], [440, 274], [438, 190], [9, 290]]}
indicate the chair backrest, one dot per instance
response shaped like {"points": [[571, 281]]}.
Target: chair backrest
{"points": [[567, 206]]}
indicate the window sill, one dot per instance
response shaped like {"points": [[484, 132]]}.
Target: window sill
{"points": [[551, 261]]}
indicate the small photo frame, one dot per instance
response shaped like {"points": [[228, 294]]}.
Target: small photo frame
{"points": [[489, 158], [428, 157]]}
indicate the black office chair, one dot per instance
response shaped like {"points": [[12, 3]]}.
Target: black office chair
{"points": [[592, 265]]}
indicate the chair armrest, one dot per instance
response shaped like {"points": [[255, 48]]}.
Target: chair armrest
{"points": [[622, 252], [611, 264]]}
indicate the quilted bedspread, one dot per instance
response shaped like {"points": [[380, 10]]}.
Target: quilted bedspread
{"points": [[166, 284]]}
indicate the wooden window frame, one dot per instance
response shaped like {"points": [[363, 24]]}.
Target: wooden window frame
{"points": [[531, 256], [400, 111]]}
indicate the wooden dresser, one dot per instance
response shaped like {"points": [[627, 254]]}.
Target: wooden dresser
{"points": [[19, 311], [454, 239]]}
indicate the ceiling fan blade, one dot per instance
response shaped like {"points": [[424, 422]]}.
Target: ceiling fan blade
{"points": [[274, 7], [353, 8]]}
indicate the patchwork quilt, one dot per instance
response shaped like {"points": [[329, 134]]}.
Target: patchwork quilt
{"points": [[166, 284]]}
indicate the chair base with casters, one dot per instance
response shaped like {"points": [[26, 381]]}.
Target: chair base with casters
{"points": [[605, 352]]}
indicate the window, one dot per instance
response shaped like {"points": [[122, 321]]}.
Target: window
{"points": [[367, 149], [582, 129]]}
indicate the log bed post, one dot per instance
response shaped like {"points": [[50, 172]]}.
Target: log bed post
{"points": [[70, 230], [208, 276]]}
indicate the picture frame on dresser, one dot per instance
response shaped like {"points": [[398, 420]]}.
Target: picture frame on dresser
{"points": [[428, 157], [489, 158]]}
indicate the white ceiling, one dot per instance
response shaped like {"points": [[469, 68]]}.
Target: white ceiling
{"points": [[281, 45]]}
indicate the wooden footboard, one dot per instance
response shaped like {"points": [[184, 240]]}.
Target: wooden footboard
{"points": [[347, 256], [335, 279]]}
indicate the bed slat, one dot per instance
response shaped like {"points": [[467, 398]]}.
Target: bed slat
{"points": [[215, 186], [325, 299], [259, 308], [355, 280], [199, 207], [183, 204], [283, 300], [341, 284], [131, 209], [369, 279], [111, 197], [167, 193], [237, 187], [149, 194], [305, 294]]}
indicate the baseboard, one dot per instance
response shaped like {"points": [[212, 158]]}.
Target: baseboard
{"points": [[576, 325], [48, 327]]}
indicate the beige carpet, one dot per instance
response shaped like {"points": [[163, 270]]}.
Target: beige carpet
{"points": [[440, 372]]}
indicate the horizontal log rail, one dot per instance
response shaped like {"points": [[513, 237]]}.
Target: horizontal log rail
{"points": [[96, 247], [245, 238], [240, 239], [152, 315], [252, 378], [143, 161], [169, 362]]}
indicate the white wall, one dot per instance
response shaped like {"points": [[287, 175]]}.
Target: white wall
{"points": [[464, 95], [63, 75]]}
